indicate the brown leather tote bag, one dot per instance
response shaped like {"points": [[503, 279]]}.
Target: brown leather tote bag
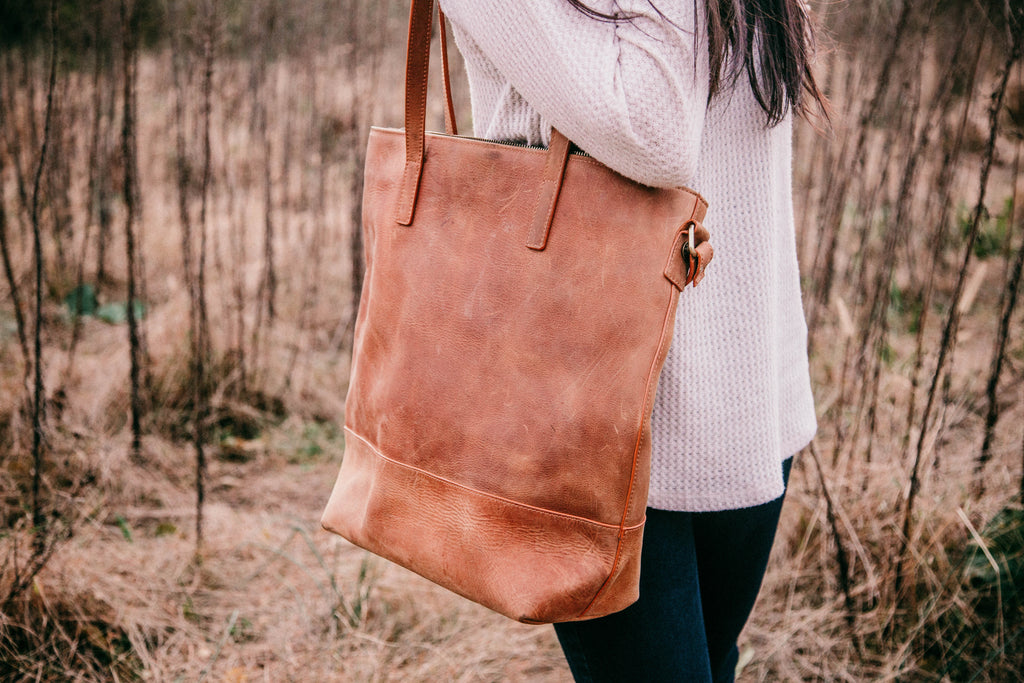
{"points": [[517, 307]]}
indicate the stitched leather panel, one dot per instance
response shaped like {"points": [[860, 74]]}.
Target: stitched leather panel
{"points": [[489, 550], [509, 374], [616, 594], [550, 189], [535, 344]]}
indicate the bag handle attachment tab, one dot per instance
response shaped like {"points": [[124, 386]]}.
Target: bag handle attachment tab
{"points": [[550, 188], [417, 63]]}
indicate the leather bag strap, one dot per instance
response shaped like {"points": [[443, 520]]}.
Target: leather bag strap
{"points": [[417, 66], [450, 126], [417, 63], [550, 187]]}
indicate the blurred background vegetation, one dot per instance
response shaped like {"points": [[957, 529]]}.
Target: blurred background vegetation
{"points": [[180, 191]]}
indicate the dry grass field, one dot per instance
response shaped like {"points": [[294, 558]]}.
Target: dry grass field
{"points": [[193, 202]]}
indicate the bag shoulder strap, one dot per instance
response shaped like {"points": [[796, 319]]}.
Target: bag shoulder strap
{"points": [[450, 126], [417, 65]]}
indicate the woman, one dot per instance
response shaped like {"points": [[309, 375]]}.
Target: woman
{"points": [[700, 94]]}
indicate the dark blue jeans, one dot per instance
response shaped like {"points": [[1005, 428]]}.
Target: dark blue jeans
{"points": [[700, 574]]}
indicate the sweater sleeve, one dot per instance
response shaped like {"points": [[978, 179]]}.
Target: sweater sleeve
{"points": [[631, 93]]}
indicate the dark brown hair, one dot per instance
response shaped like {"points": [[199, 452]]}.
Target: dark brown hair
{"points": [[769, 40]]}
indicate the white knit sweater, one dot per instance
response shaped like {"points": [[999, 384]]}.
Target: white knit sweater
{"points": [[734, 398]]}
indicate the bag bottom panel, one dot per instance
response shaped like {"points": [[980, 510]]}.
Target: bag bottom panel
{"points": [[527, 563]]}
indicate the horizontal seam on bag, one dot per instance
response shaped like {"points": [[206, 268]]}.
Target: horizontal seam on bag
{"points": [[485, 494]]}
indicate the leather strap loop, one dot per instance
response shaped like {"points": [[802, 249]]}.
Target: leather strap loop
{"points": [[417, 66], [685, 264], [550, 187], [417, 63]]}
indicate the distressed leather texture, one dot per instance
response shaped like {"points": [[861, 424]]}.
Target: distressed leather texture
{"points": [[498, 416]]}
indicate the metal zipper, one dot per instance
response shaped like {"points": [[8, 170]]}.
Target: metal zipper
{"points": [[512, 143]]}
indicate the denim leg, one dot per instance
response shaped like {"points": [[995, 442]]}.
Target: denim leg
{"points": [[661, 636], [732, 554], [700, 575]]}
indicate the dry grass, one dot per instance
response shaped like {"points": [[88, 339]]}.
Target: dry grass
{"points": [[272, 597], [266, 602]]}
